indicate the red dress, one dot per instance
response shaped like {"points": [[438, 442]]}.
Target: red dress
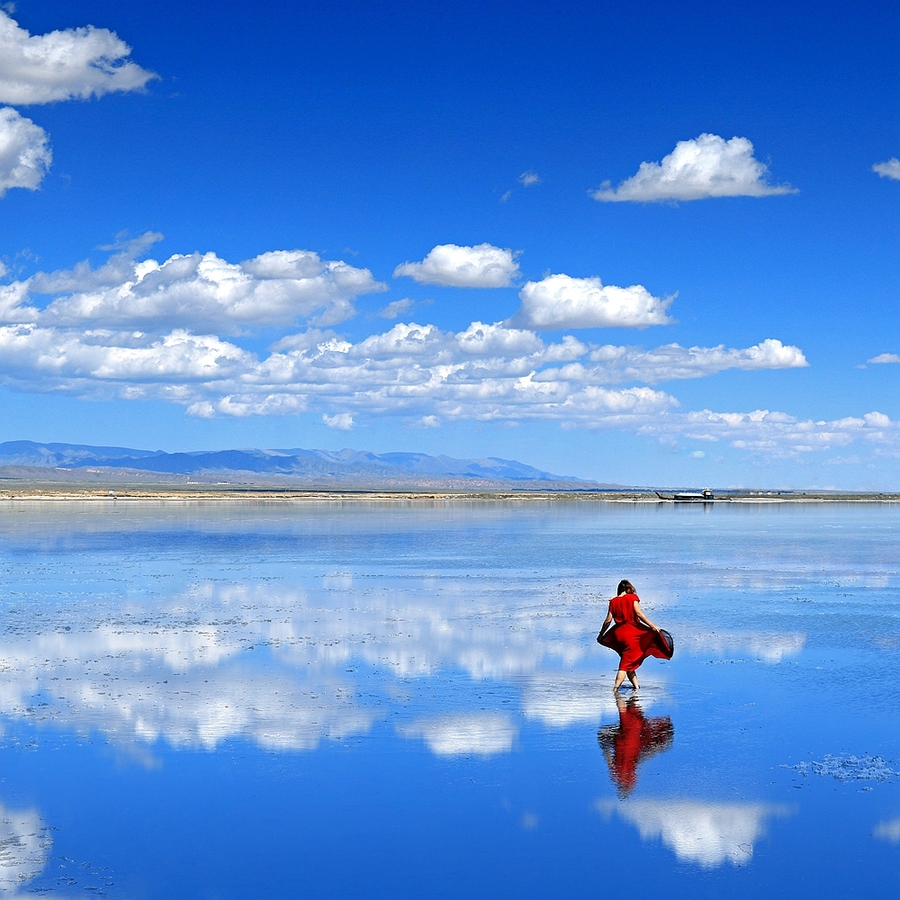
{"points": [[633, 641]]}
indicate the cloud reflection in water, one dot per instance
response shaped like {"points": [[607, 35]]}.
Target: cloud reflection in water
{"points": [[770, 648], [286, 667], [559, 700], [888, 831], [478, 734], [24, 845], [705, 834]]}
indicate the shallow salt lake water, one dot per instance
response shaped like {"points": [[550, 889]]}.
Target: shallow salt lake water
{"points": [[387, 700]]}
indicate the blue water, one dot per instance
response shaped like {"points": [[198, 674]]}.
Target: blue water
{"points": [[310, 700]]}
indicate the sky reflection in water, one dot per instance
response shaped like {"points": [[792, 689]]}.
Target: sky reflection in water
{"points": [[324, 699]]}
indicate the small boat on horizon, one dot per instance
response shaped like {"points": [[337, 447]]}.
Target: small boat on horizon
{"points": [[704, 496]]}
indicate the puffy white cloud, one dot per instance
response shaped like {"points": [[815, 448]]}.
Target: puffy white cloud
{"points": [[340, 421], [883, 358], [707, 166], [77, 63], [613, 364], [103, 356], [481, 266], [498, 340], [888, 169], [25, 154], [705, 834], [200, 291], [477, 734], [529, 179], [560, 301]]}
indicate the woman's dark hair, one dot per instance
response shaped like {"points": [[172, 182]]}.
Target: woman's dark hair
{"points": [[626, 586]]}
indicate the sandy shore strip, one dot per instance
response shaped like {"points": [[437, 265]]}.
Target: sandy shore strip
{"points": [[192, 491]]}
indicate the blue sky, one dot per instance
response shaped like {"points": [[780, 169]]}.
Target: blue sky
{"points": [[646, 246]]}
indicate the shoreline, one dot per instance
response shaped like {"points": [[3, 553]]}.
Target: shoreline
{"points": [[130, 493]]}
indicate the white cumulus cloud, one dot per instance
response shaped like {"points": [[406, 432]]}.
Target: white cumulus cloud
{"points": [[340, 421], [25, 154], [77, 63], [612, 364], [706, 166], [883, 358], [481, 266], [201, 291], [888, 169], [705, 834], [137, 363], [560, 301]]}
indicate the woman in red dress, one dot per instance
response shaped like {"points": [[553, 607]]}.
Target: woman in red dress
{"points": [[634, 637]]}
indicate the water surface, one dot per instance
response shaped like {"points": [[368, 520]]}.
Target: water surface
{"points": [[406, 700]]}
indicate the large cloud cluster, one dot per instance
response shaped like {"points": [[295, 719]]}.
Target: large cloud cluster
{"points": [[172, 330]]}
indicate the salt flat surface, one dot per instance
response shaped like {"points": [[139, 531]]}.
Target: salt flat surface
{"points": [[407, 700]]}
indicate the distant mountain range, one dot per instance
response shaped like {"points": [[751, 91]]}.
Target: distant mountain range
{"points": [[27, 460]]}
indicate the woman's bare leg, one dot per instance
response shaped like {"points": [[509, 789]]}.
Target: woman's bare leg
{"points": [[620, 677], [632, 677]]}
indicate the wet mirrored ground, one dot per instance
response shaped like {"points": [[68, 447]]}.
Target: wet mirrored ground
{"points": [[333, 700]]}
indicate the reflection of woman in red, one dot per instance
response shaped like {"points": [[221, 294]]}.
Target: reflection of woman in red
{"points": [[631, 741], [634, 637]]}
